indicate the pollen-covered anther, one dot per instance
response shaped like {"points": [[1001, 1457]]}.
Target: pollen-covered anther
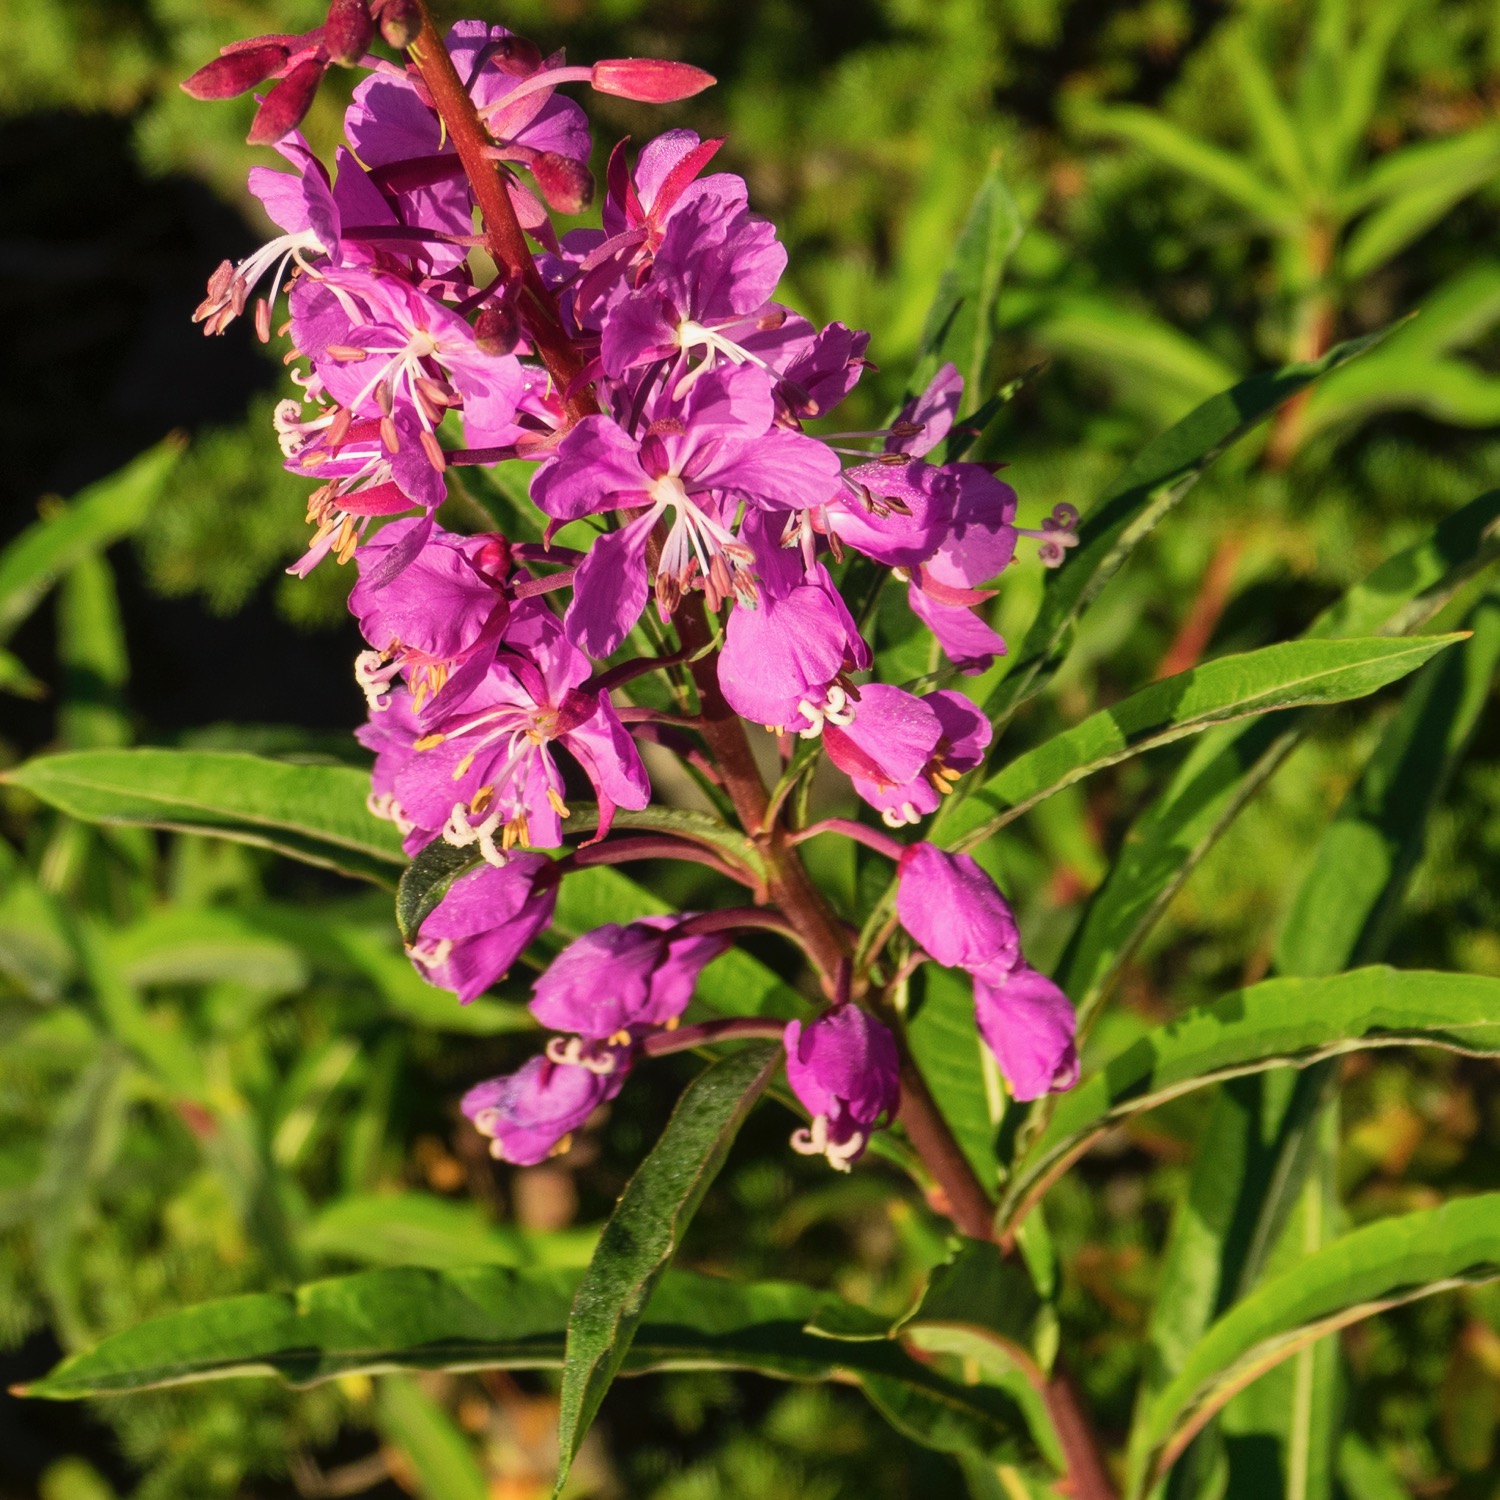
{"points": [[462, 768], [557, 804], [481, 801], [431, 447]]}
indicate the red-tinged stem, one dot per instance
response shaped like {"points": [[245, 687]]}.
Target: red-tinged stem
{"points": [[1088, 1478], [861, 833], [503, 236], [660, 1043], [529, 588], [738, 919]]}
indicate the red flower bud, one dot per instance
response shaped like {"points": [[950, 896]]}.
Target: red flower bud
{"points": [[497, 330], [650, 80], [400, 22], [284, 107], [514, 54], [349, 30], [567, 185], [236, 71]]}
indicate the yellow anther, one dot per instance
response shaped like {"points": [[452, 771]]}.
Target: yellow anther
{"points": [[429, 741], [563, 1146], [673, 1024], [558, 805], [462, 768], [620, 1039], [482, 799]]}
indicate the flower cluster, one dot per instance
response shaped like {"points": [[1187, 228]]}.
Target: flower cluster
{"points": [[663, 394]]}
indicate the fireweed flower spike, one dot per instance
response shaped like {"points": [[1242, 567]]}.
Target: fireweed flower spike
{"points": [[645, 369]]}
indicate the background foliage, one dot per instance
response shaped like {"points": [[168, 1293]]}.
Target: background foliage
{"points": [[217, 1073]]}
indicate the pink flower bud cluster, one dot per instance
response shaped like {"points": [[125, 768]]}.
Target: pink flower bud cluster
{"points": [[691, 483]]}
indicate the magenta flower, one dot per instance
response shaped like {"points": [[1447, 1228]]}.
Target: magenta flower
{"points": [[392, 733], [787, 657], [1028, 1023], [844, 1069], [436, 617], [904, 753], [484, 922], [698, 458], [361, 477], [711, 281], [952, 908], [532, 1113], [379, 345], [489, 767], [616, 981]]}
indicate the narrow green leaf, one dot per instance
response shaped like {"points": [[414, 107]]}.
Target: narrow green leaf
{"points": [[16, 678], [961, 323], [957, 1066], [1367, 1271], [90, 522], [645, 1229], [91, 655], [488, 1317], [419, 1229], [1277, 1023], [1148, 490], [1364, 1474], [1229, 766], [315, 813], [442, 1463], [1290, 675], [1268, 114], [1216, 168], [1362, 864]]}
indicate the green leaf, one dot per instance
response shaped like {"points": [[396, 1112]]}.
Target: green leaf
{"points": [[1148, 490], [1290, 675], [1364, 1474], [957, 1066], [1415, 187], [489, 1317], [90, 522], [1268, 114], [1215, 168], [645, 1229], [961, 323], [418, 1229], [16, 678], [1359, 873], [1143, 355], [91, 655], [1229, 766], [442, 1463], [1379, 1266], [315, 813], [1273, 1024]]}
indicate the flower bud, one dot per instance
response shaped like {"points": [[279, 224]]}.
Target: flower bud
{"points": [[515, 55], [400, 21], [567, 185], [348, 31], [235, 71], [285, 106], [497, 330], [650, 80]]}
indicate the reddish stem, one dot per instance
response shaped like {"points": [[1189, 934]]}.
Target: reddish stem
{"points": [[861, 833], [503, 236], [628, 848], [660, 1043]]}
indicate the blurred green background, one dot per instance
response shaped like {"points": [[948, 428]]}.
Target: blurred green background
{"points": [[217, 1072]]}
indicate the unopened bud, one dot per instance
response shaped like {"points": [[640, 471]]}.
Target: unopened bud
{"points": [[236, 71], [514, 54], [650, 80], [494, 557], [400, 22], [567, 185], [497, 330], [348, 31], [284, 107]]}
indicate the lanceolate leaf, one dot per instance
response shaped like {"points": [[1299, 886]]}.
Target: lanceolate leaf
{"points": [[961, 323], [315, 813], [90, 522], [441, 1460], [1360, 870], [1379, 1266], [1229, 766], [1279, 1022], [1139, 499], [1289, 675], [488, 1317], [646, 1228]]}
